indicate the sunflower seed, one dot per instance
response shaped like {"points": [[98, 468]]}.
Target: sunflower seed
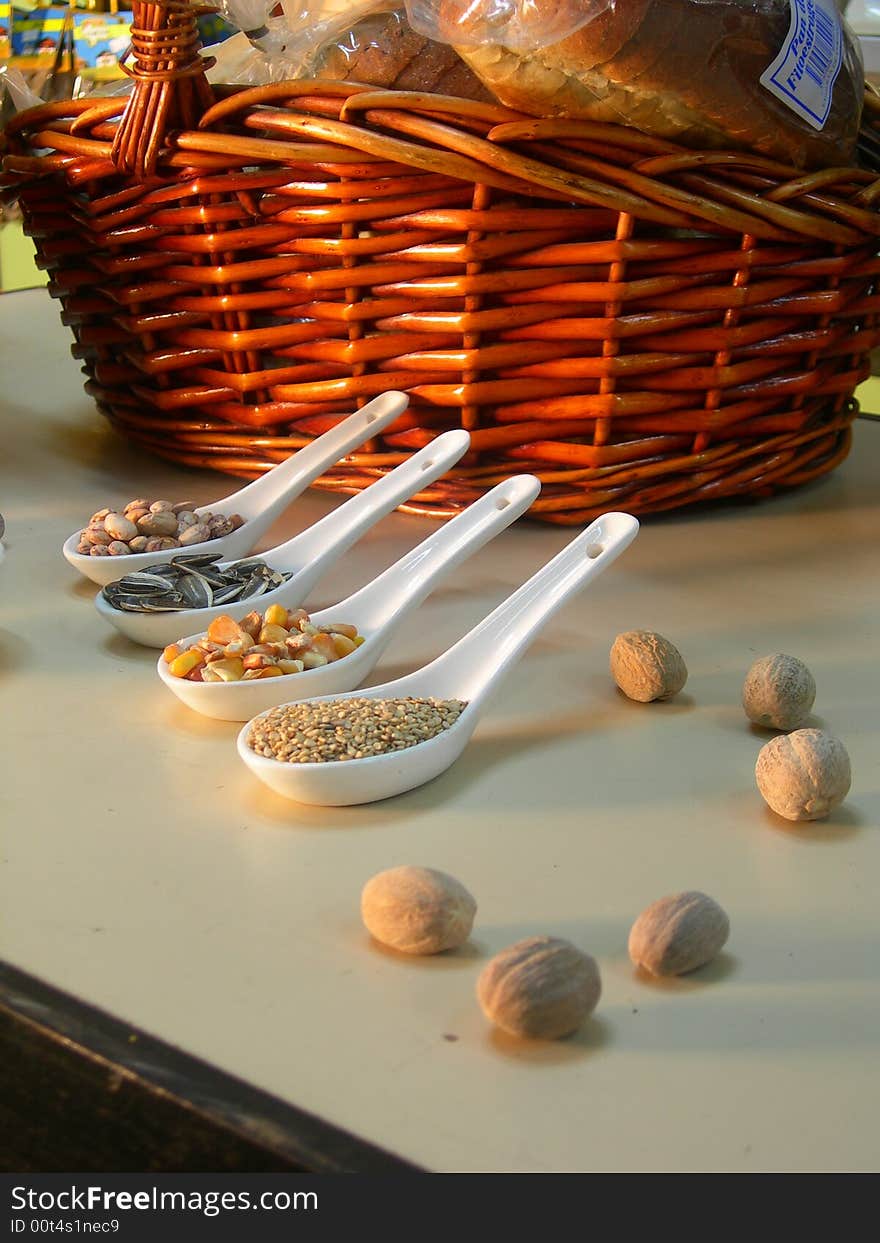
{"points": [[192, 581], [196, 591], [197, 559], [226, 595], [144, 580], [256, 585]]}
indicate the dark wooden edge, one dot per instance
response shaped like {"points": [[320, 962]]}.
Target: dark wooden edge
{"points": [[82, 1091]]}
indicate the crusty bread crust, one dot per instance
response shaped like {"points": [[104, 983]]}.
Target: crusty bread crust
{"points": [[682, 69], [383, 50]]}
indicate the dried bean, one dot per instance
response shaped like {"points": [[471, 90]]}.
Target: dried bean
{"points": [[158, 522]]}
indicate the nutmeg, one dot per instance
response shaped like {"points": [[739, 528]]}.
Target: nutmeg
{"points": [[646, 666], [803, 775], [678, 933], [541, 987], [778, 692], [417, 910]]}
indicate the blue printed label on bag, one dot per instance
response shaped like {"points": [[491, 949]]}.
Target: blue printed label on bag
{"points": [[804, 72]]}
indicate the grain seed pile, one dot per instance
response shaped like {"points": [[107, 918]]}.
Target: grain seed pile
{"points": [[349, 729]]}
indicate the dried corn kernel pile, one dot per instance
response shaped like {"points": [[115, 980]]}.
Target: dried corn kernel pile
{"points": [[269, 645]]}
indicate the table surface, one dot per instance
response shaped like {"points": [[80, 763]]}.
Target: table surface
{"points": [[145, 871]]}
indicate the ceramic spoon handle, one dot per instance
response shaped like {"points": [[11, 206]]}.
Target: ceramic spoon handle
{"points": [[310, 554], [476, 663], [385, 601], [264, 500]]}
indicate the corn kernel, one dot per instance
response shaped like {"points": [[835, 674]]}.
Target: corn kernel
{"points": [[323, 644], [291, 666], [314, 660], [343, 644], [359, 639], [276, 615], [350, 632], [252, 624], [272, 634], [229, 670], [239, 646], [295, 618], [224, 630], [268, 649], [172, 651], [186, 662], [271, 671]]}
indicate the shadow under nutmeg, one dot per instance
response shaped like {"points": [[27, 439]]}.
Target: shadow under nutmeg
{"points": [[842, 824], [722, 967], [452, 959], [676, 704], [591, 1038]]}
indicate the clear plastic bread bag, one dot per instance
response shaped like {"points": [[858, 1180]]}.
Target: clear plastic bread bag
{"points": [[382, 49], [780, 77], [364, 41], [279, 39]]}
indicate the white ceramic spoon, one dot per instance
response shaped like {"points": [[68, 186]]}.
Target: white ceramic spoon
{"points": [[377, 610], [260, 502], [470, 670], [308, 555]]}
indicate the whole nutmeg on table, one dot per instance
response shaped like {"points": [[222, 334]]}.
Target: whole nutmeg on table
{"points": [[417, 910], [678, 934], [540, 988], [803, 775], [778, 692], [646, 666]]}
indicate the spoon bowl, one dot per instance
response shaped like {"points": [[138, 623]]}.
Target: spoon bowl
{"points": [[259, 502], [470, 671], [378, 610], [307, 556]]}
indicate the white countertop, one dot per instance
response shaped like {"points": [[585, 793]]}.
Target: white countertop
{"points": [[146, 872]]}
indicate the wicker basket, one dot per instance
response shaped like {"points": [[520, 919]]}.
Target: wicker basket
{"points": [[641, 325]]}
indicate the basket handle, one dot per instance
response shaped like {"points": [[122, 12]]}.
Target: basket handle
{"points": [[170, 90]]}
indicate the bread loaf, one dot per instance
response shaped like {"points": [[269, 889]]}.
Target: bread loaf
{"points": [[383, 50], [687, 70]]}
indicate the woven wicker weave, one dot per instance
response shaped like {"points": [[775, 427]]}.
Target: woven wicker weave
{"points": [[642, 326]]}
